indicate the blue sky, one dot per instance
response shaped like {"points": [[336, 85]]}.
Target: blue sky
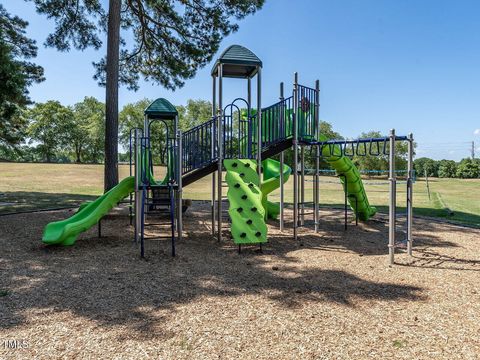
{"points": [[409, 65]]}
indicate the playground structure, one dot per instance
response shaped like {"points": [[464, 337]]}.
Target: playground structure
{"points": [[241, 139]]}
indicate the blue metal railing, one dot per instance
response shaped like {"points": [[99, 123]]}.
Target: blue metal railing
{"points": [[239, 130], [199, 146], [306, 113], [277, 124]]}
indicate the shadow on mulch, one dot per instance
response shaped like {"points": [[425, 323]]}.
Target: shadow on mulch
{"points": [[105, 281], [430, 259], [12, 202]]}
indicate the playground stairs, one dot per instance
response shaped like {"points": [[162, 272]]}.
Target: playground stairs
{"points": [[159, 215]]}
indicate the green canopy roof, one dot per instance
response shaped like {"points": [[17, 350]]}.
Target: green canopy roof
{"points": [[238, 62], [161, 109]]}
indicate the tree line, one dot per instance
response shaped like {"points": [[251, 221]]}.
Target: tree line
{"points": [[52, 132], [465, 169]]}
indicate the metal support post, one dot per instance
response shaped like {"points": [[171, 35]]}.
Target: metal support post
{"points": [[345, 200], [282, 160], [295, 157], [393, 200], [220, 152], [316, 190], [180, 186], [138, 172], [259, 122], [214, 113], [130, 196], [142, 224], [302, 185], [249, 93], [356, 211], [410, 195]]}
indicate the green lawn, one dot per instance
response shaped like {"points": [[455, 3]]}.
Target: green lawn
{"points": [[26, 187]]}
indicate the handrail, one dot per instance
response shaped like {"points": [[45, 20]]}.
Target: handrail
{"points": [[213, 118]]}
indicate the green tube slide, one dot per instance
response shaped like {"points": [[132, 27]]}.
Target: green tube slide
{"points": [[271, 182], [350, 179], [65, 232]]}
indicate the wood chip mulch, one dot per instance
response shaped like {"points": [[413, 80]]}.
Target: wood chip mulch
{"points": [[335, 297]]}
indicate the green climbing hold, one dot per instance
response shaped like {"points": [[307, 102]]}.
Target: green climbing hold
{"points": [[246, 211]]}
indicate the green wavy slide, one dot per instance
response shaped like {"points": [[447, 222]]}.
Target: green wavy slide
{"points": [[248, 198], [65, 232], [350, 179]]}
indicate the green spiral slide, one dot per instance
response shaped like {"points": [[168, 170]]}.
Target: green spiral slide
{"points": [[271, 181], [350, 179], [65, 232]]}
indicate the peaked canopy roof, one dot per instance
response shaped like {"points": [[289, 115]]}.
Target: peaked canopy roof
{"points": [[161, 109], [238, 62]]}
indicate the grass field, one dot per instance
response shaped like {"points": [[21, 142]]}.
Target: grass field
{"points": [[25, 187]]}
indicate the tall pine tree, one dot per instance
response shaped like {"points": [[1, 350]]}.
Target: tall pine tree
{"points": [[172, 39], [16, 75]]}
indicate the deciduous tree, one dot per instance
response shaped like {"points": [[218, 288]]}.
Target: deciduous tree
{"points": [[468, 169], [49, 127], [88, 137], [447, 169]]}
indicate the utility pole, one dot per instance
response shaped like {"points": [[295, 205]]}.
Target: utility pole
{"points": [[473, 150]]}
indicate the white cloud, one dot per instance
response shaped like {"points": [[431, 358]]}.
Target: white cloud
{"points": [[476, 132]]}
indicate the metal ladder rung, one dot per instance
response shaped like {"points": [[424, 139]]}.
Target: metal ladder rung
{"points": [[153, 238]]}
